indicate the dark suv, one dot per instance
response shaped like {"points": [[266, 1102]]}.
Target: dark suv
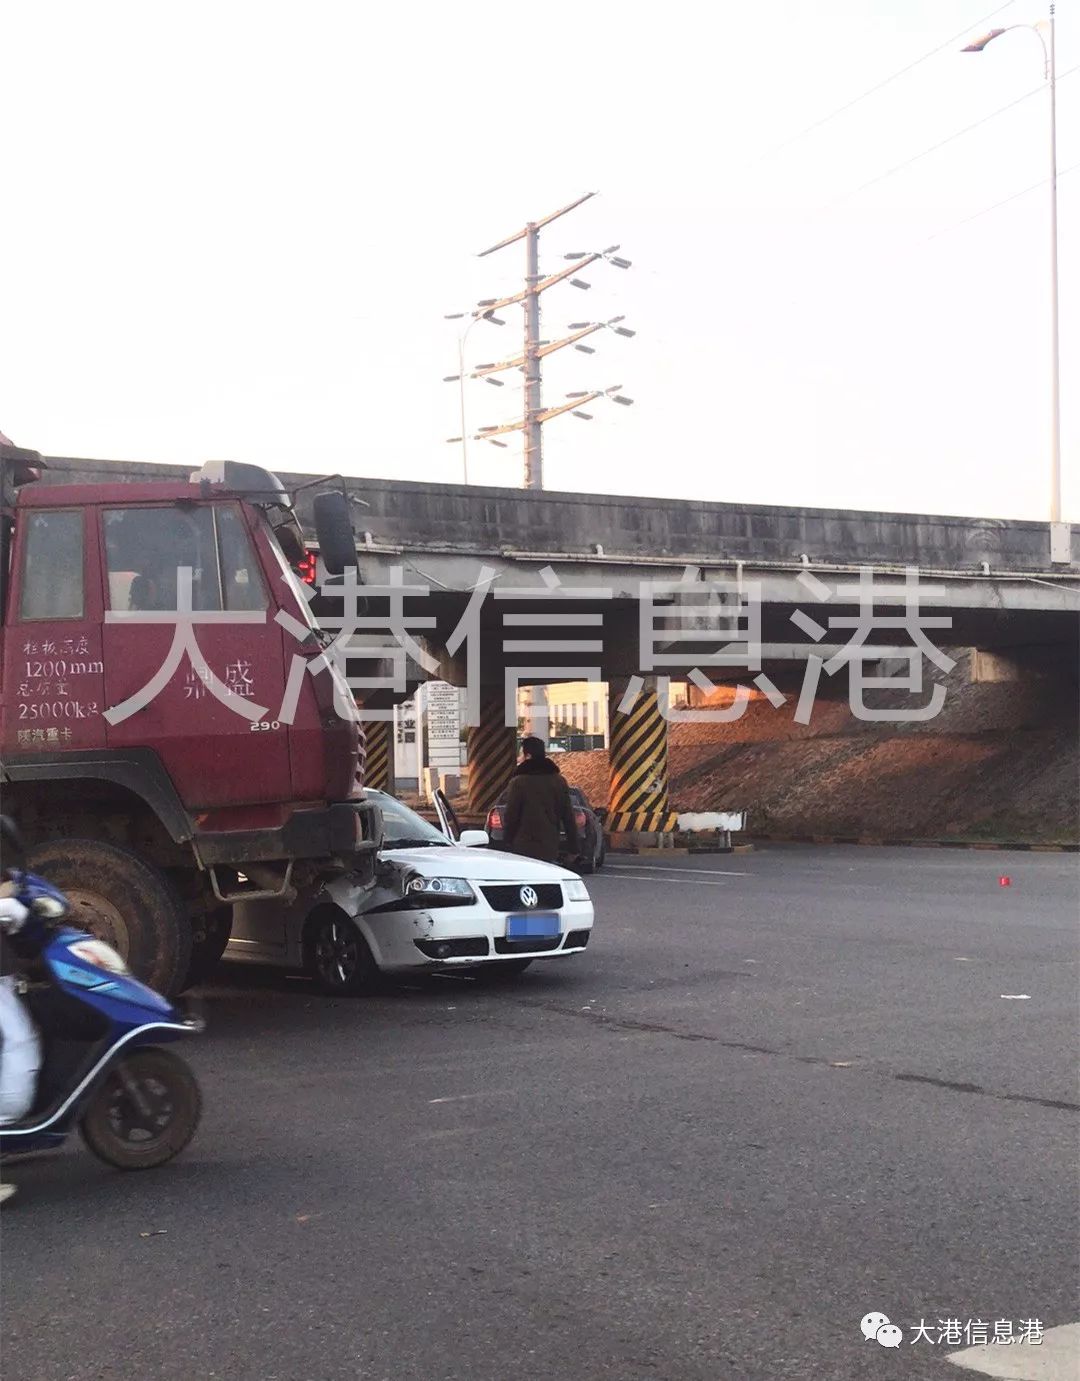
{"points": [[590, 834]]}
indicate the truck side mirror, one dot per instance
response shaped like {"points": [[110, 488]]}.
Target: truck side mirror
{"points": [[333, 528]]}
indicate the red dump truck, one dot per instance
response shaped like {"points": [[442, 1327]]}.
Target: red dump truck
{"points": [[171, 738]]}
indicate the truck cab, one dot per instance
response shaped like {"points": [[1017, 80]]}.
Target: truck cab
{"points": [[172, 738]]}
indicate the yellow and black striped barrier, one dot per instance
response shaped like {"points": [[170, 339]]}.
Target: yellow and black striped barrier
{"points": [[492, 753], [638, 761], [379, 755]]}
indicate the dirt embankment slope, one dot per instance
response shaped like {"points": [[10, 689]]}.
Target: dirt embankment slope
{"points": [[1000, 761]]}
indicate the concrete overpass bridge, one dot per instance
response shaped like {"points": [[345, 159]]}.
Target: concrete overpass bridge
{"points": [[556, 585]]}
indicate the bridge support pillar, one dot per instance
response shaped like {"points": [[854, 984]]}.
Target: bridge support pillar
{"points": [[377, 726], [492, 753], [379, 754], [639, 812]]}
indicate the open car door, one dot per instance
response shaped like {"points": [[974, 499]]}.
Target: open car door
{"points": [[448, 821]]}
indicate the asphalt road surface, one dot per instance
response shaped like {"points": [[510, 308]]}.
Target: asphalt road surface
{"points": [[781, 1090]]}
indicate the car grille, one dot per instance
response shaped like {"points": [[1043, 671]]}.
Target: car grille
{"points": [[507, 897], [577, 939]]}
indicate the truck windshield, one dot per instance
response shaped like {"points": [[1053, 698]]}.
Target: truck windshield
{"points": [[146, 546]]}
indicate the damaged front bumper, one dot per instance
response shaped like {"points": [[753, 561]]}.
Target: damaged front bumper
{"points": [[407, 931]]}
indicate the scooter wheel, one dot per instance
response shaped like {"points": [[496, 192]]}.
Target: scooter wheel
{"points": [[145, 1111]]}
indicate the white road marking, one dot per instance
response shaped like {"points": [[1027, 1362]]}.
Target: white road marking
{"points": [[460, 1097], [669, 868], [1054, 1359], [687, 882], [1016, 997]]}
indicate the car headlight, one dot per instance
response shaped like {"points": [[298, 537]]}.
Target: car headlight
{"points": [[101, 955], [576, 891], [456, 888]]}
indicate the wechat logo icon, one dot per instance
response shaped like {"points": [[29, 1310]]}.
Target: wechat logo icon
{"points": [[877, 1326]]}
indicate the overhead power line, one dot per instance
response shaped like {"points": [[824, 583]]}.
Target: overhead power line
{"points": [[968, 129], [535, 350], [880, 86], [1063, 172]]}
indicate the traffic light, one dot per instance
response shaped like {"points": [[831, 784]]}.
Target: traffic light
{"points": [[307, 569]]}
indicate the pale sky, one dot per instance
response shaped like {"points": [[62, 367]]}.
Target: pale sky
{"points": [[232, 230]]}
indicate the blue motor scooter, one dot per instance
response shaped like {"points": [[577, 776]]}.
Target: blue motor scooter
{"points": [[103, 1069]]}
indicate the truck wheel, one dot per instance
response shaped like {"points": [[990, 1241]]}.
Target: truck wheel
{"points": [[125, 902], [208, 942], [144, 1112]]}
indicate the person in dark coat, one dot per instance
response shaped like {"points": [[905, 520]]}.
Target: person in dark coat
{"points": [[538, 806]]}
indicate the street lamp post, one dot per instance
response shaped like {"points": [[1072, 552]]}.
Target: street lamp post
{"points": [[462, 338], [1050, 72]]}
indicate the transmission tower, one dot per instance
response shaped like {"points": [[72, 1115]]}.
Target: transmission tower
{"points": [[529, 362]]}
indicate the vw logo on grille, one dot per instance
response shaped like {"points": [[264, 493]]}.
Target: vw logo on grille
{"points": [[528, 896]]}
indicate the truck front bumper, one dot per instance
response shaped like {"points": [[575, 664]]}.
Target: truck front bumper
{"points": [[346, 832]]}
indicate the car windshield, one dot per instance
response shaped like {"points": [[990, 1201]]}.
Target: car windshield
{"points": [[403, 828]]}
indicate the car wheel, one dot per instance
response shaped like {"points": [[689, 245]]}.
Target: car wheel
{"points": [[338, 956], [586, 866]]}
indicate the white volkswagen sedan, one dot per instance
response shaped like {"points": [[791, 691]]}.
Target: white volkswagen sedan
{"points": [[443, 901]]}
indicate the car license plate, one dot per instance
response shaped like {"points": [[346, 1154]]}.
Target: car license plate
{"points": [[538, 925]]}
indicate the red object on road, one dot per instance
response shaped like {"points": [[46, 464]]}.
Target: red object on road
{"points": [[1004, 882]]}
